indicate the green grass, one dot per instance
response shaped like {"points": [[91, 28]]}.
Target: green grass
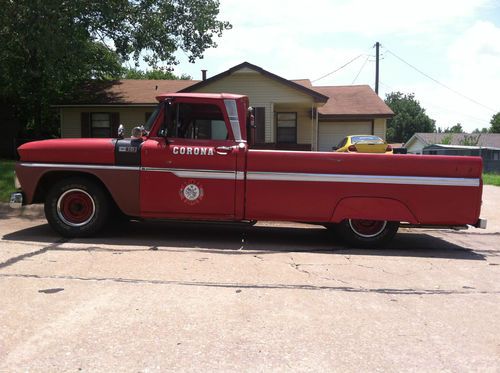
{"points": [[6, 179], [491, 179]]}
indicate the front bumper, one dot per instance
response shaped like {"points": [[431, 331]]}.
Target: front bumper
{"points": [[481, 223], [16, 200]]}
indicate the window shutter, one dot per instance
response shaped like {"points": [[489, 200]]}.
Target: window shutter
{"points": [[115, 122], [260, 124], [85, 125]]}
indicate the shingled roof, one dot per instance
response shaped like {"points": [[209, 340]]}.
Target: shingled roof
{"points": [[354, 100], [125, 92], [487, 140], [358, 101]]}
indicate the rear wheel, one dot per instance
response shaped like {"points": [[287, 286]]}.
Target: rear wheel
{"points": [[367, 233], [76, 207]]}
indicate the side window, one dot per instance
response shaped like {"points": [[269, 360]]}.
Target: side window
{"points": [[197, 122]]}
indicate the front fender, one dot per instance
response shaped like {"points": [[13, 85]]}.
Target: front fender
{"points": [[372, 208]]}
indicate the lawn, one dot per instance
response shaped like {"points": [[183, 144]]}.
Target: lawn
{"points": [[6, 179], [491, 179]]}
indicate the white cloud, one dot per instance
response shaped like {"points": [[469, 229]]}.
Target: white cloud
{"points": [[297, 39]]}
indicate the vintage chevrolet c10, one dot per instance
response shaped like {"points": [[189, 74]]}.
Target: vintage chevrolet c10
{"points": [[192, 161]]}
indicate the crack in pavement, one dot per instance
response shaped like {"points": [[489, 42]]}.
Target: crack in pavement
{"points": [[31, 254], [348, 289]]}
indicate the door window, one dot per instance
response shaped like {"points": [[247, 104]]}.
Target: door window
{"points": [[196, 121]]}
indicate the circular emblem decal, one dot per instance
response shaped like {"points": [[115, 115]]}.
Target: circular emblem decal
{"points": [[191, 192]]}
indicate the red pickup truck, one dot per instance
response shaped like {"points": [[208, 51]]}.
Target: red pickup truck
{"points": [[193, 160]]}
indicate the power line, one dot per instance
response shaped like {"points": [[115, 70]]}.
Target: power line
{"points": [[340, 68], [438, 82], [473, 119], [362, 67]]}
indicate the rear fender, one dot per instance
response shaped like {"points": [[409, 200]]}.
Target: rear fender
{"points": [[372, 208]]}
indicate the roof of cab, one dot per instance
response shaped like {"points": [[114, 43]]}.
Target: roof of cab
{"points": [[164, 96]]}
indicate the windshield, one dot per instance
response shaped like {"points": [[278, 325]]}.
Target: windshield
{"points": [[152, 118], [369, 139]]}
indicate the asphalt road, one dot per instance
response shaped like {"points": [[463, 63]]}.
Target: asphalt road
{"points": [[147, 297]]}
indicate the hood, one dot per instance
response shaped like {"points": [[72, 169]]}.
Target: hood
{"points": [[85, 151]]}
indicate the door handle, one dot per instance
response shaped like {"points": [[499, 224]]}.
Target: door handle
{"points": [[223, 150]]}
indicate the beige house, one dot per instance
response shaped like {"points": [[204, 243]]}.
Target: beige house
{"points": [[289, 114]]}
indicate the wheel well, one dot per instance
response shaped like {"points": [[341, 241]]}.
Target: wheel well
{"points": [[372, 208], [52, 177]]}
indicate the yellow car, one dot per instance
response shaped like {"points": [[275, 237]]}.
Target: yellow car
{"points": [[364, 144]]}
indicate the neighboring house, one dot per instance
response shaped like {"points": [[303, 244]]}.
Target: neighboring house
{"points": [[490, 155], [289, 114], [419, 141]]}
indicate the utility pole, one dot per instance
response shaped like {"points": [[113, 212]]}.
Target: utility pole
{"points": [[377, 47]]}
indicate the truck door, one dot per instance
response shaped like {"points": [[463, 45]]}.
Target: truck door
{"points": [[189, 168]]}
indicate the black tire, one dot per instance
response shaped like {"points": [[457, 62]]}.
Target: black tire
{"points": [[366, 233], [77, 207]]}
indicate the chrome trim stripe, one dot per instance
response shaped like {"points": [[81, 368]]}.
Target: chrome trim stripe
{"points": [[195, 174], [82, 166], [369, 179], [278, 176], [240, 175]]}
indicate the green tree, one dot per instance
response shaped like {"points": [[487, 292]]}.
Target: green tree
{"points": [[470, 140], [409, 117], [457, 128], [48, 47], [482, 130], [155, 74], [446, 140], [495, 123]]}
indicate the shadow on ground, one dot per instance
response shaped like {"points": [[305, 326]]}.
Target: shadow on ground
{"points": [[232, 239]]}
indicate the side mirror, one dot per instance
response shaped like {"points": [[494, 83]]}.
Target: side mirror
{"points": [[136, 132], [162, 132], [121, 130]]}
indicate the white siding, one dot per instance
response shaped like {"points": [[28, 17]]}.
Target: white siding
{"points": [[416, 147], [380, 128], [129, 117], [262, 92]]}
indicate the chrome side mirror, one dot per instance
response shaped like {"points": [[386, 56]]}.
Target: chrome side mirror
{"points": [[121, 130]]}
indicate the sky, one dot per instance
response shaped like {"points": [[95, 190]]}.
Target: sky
{"points": [[454, 42]]}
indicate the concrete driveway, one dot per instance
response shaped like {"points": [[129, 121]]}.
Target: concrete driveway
{"points": [[274, 297]]}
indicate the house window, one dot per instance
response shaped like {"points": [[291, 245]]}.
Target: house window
{"points": [[286, 124], [100, 124]]}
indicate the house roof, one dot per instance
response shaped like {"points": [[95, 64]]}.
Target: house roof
{"points": [[318, 97], [339, 101], [125, 92], [458, 147], [355, 100], [484, 140]]}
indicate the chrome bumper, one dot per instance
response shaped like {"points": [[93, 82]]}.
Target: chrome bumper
{"points": [[481, 223], [16, 200]]}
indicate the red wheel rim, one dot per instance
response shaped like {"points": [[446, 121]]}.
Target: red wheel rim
{"points": [[75, 207], [367, 228]]}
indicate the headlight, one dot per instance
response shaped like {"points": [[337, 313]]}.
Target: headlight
{"points": [[17, 184]]}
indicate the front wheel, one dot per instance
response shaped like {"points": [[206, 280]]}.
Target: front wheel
{"points": [[76, 207], [367, 233]]}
